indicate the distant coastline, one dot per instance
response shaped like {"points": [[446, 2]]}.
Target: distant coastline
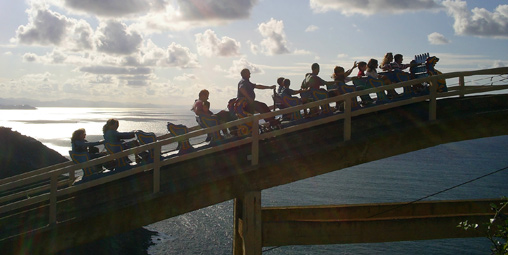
{"points": [[17, 107]]}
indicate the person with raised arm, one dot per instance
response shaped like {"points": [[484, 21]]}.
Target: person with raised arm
{"points": [[246, 90]]}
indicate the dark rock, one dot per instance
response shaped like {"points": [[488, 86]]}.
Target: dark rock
{"points": [[20, 154]]}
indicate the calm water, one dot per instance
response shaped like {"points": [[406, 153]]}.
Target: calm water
{"points": [[401, 178]]}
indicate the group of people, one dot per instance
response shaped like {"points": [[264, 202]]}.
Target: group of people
{"points": [[311, 82], [246, 90], [111, 135]]}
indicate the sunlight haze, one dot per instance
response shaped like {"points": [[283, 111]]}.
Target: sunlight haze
{"points": [[164, 52]]}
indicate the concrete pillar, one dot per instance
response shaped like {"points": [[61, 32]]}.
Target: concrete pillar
{"points": [[247, 224]]}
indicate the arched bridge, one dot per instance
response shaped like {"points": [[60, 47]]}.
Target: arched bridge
{"points": [[45, 218]]}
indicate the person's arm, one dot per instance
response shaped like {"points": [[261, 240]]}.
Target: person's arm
{"points": [[264, 86], [348, 72], [126, 135]]}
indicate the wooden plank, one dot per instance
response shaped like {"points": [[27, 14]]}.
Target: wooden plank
{"points": [[367, 223]]}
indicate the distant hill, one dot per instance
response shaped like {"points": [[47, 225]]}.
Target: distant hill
{"points": [[73, 103], [20, 154]]}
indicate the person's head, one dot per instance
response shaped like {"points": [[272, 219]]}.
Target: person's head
{"points": [[373, 64], [388, 58], [78, 134], [286, 83], [362, 65], [280, 81], [398, 58], [245, 73], [315, 68], [203, 95], [338, 72], [111, 124]]}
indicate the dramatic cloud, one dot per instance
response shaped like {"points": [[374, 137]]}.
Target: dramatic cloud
{"points": [[113, 8], [437, 38], [275, 42], [113, 37], [210, 45], [47, 28], [216, 9], [369, 7], [479, 22]]}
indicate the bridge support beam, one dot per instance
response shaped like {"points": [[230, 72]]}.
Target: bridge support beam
{"points": [[372, 223], [247, 224]]}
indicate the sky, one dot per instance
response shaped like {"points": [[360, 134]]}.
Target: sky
{"points": [[165, 51]]}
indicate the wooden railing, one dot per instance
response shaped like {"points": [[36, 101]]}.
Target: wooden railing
{"points": [[18, 200]]}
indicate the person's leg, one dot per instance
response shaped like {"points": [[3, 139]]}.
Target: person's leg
{"points": [[263, 108]]}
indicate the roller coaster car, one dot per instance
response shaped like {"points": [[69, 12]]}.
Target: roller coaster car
{"points": [[176, 130], [426, 69]]}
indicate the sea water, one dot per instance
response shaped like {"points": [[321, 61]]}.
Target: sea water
{"points": [[421, 174]]}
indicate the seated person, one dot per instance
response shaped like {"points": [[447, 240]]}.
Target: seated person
{"points": [[286, 91], [280, 81], [246, 90], [311, 82], [80, 144], [111, 135], [371, 72], [397, 63], [386, 63], [362, 67], [340, 77], [202, 107]]}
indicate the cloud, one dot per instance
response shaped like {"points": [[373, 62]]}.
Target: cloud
{"points": [[46, 27], [186, 77], [479, 22], [254, 49], [437, 38], [30, 57], [115, 70], [216, 9], [499, 63], [238, 65], [274, 42], [370, 7], [208, 44], [112, 8], [179, 56], [113, 37], [311, 28]]}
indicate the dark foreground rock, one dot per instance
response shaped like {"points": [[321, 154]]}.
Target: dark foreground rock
{"points": [[20, 154]]}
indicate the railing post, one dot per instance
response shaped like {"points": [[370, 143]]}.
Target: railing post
{"points": [[255, 142], [347, 118], [462, 87], [433, 100], [52, 199], [157, 169], [247, 236]]}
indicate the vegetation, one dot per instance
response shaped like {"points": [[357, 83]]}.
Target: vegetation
{"points": [[497, 228]]}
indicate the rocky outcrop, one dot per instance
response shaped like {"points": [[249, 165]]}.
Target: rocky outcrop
{"points": [[20, 154]]}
